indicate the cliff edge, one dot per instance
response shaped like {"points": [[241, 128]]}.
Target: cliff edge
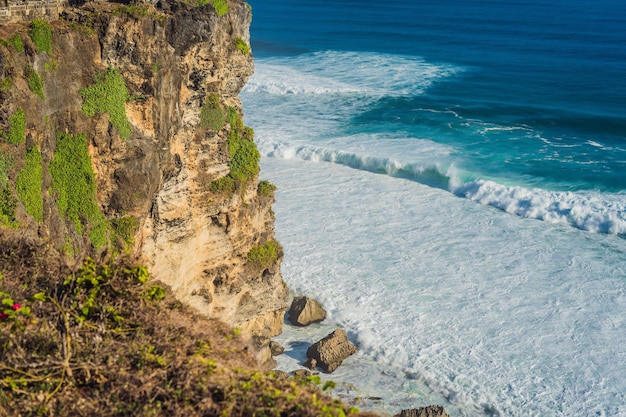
{"points": [[122, 133]]}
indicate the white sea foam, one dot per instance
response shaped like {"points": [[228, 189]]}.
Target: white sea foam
{"points": [[451, 302], [591, 211], [346, 72]]}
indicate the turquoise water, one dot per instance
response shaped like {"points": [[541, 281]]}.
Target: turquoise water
{"points": [[466, 160]]}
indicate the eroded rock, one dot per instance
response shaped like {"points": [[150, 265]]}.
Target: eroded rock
{"points": [[305, 311], [276, 349], [331, 351]]}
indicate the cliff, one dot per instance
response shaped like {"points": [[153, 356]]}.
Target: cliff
{"points": [[122, 133]]}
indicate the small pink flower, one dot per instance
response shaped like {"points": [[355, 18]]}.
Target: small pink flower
{"points": [[16, 306], [3, 316]]}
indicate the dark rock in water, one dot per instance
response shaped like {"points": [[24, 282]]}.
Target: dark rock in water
{"points": [[430, 411], [310, 363], [304, 311], [276, 349], [331, 350]]}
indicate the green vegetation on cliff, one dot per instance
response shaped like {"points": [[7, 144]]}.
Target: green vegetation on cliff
{"points": [[220, 6], [41, 34], [34, 81], [15, 42], [262, 256], [104, 340], [242, 46], [108, 95], [17, 127], [74, 184], [7, 201], [244, 156], [212, 113], [29, 183]]}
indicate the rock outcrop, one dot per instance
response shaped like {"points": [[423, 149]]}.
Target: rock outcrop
{"points": [[305, 311], [145, 99], [430, 411], [331, 351]]}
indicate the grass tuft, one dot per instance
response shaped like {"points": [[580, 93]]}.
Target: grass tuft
{"points": [[212, 113], [242, 46], [34, 81], [17, 127], [262, 256]]}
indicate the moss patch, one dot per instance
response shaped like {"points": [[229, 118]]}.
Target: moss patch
{"points": [[15, 42], [125, 228], [34, 81], [242, 46], [7, 200], [41, 34], [108, 95], [29, 183], [74, 184], [17, 127], [220, 6], [212, 113]]}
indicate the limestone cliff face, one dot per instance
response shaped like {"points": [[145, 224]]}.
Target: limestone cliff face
{"points": [[154, 180]]}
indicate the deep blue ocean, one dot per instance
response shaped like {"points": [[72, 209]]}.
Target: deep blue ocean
{"points": [[467, 160]]}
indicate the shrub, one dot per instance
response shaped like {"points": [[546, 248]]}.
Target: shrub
{"points": [[41, 34], [242, 46], [244, 156], [17, 127], [220, 6], [212, 113], [108, 95], [262, 256], [29, 182], [265, 189], [34, 81], [73, 181]]}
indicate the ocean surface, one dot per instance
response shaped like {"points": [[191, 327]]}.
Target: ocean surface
{"points": [[452, 187]]}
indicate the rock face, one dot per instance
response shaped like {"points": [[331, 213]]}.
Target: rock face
{"points": [[159, 162], [331, 351], [305, 311], [276, 349], [430, 411]]}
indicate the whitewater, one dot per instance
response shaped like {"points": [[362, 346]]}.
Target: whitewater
{"points": [[453, 190], [480, 307]]}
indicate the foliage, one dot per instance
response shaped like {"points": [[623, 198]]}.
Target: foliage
{"points": [[50, 66], [262, 256], [7, 201], [29, 183], [125, 228], [34, 81], [84, 29], [265, 189], [96, 342], [17, 127], [15, 42], [108, 95], [41, 34], [242, 46], [74, 183], [212, 113], [6, 83], [220, 6], [7, 207], [244, 156]]}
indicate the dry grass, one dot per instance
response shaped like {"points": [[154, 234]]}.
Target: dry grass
{"points": [[98, 341]]}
